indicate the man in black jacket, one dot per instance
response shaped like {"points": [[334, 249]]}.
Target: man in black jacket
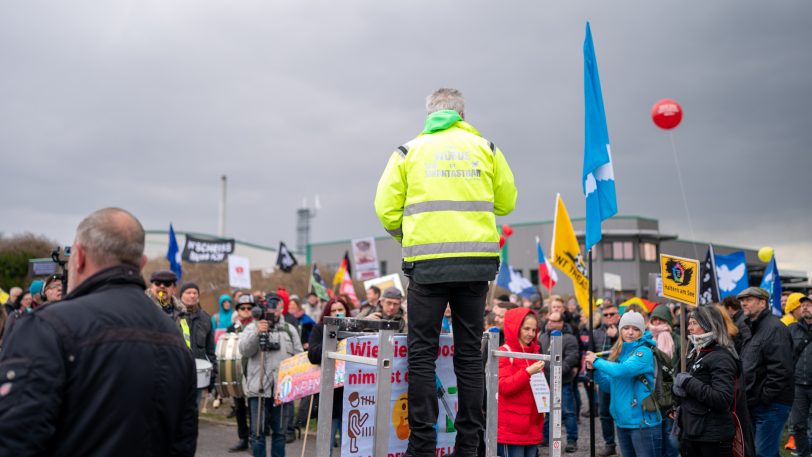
{"points": [[201, 335], [801, 332], [570, 364], [768, 369], [102, 372]]}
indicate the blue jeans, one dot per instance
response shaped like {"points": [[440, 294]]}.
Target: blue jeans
{"points": [[670, 440], [568, 415], [516, 450], [335, 426], [640, 442], [272, 423], [607, 423], [768, 422]]}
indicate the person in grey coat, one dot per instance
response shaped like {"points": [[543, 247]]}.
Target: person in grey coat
{"points": [[280, 340]]}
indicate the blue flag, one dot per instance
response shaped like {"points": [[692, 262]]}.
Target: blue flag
{"points": [[731, 273], [598, 175], [173, 254], [512, 280], [772, 283]]}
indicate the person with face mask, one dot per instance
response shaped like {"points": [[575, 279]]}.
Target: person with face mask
{"points": [[520, 424], [622, 373], [705, 392]]}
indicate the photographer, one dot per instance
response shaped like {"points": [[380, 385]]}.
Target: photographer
{"points": [[266, 342]]}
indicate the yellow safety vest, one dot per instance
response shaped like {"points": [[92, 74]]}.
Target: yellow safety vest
{"points": [[441, 192], [184, 327]]}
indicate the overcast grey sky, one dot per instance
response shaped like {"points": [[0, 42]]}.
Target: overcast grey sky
{"points": [[144, 104]]}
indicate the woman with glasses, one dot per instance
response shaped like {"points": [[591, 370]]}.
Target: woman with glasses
{"points": [[628, 374], [336, 307]]}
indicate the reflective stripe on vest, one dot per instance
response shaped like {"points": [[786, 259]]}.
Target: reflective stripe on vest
{"points": [[395, 232], [184, 327], [451, 248], [447, 205]]}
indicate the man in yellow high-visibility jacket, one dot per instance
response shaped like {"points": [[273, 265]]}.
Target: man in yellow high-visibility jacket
{"points": [[439, 196]]}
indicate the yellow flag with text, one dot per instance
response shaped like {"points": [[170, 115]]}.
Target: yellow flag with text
{"points": [[3, 296], [566, 254]]}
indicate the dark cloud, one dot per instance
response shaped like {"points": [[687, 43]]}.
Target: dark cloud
{"points": [[145, 104]]}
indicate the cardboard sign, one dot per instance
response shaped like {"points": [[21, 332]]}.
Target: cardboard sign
{"points": [[680, 277], [239, 272], [541, 392], [298, 378]]}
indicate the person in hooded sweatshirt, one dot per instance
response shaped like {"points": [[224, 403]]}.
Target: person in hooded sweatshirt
{"points": [[520, 424], [621, 374], [222, 320]]}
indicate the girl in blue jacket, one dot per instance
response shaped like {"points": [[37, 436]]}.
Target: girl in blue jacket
{"points": [[638, 431]]}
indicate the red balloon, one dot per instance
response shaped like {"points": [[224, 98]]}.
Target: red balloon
{"points": [[666, 113], [507, 230], [501, 241]]}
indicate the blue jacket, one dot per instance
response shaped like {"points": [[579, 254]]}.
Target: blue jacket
{"points": [[621, 380]]}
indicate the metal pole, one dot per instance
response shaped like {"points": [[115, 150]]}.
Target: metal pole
{"points": [[682, 341], [491, 388], [328, 368], [383, 393], [590, 385], [555, 405], [221, 226]]}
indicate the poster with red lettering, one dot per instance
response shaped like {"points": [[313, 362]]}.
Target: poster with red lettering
{"points": [[358, 425]]}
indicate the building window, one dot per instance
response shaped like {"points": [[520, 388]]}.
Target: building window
{"points": [[618, 250], [383, 267], [648, 252]]}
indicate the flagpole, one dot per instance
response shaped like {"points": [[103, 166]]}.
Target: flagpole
{"points": [[591, 384]]}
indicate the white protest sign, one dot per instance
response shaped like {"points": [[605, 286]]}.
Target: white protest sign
{"points": [[541, 392], [358, 423], [366, 258], [239, 272]]}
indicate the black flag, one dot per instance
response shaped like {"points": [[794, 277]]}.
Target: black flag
{"points": [[285, 260], [708, 287]]}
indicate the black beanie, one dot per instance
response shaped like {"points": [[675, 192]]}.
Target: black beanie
{"points": [[189, 285]]}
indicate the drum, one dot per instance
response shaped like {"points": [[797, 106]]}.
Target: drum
{"points": [[203, 368], [229, 364]]}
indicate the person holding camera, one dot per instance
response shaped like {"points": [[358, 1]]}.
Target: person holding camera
{"points": [[266, 342]]}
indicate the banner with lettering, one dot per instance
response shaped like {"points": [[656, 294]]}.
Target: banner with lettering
{"points": [[199, 250], [358, 426], [298, 378]]}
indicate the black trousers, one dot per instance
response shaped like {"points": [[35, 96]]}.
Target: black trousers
{"points": [[799, 418], [427, 303], [241, 412]]}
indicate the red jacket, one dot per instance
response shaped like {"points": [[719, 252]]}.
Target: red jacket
{"points": [[519, 419]]}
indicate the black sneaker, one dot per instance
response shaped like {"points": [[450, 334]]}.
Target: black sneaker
{"points": [[571, 447], [241, 445], [607, 451]]}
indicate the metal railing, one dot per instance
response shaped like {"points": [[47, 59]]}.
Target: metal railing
{"points": [[334, 326]]}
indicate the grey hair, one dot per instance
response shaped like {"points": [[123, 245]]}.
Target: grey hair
{"points": [[445, 98], [713, 317], [112, 236]]}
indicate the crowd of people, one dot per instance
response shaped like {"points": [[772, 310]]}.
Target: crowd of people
{"points": [[738, 376]]}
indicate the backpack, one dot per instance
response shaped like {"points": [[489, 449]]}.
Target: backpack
{"points": [[660, 398]]}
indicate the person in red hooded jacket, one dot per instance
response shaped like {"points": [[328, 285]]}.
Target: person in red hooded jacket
{"points": [[520, 423]]}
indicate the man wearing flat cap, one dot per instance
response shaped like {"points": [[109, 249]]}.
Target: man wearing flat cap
{"points": [[162, 286], [801, 332], [388, 308], [768, 370]]}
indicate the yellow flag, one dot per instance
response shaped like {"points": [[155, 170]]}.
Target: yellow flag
{"points": [[567, 254], [3, 296]]}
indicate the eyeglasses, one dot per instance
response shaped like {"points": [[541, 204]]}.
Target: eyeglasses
{"points": [[555, 321], [158, 282], [609, 314], [244, 308]]}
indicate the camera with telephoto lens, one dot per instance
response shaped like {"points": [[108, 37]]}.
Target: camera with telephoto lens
{"points": [[265, 310]]}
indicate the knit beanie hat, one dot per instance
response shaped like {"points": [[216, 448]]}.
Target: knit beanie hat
{"points": [[663, 313], [189, 285], [634, 319]]}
